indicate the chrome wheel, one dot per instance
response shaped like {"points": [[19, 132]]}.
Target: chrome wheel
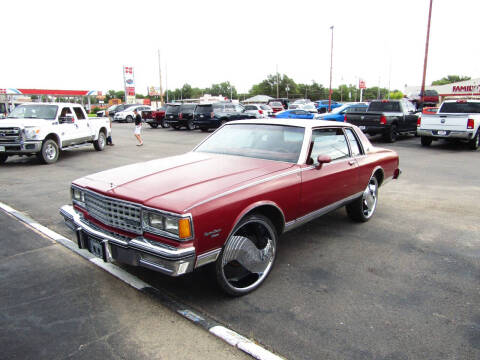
{"points": [[248, 256], [369, 198], [50, 152]]}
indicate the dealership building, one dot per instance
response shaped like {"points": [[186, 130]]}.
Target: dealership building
{"points": [[468, 88]]}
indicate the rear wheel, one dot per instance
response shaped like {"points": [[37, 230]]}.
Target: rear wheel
{"points": [[426, 140], [99, 144], [129, 119], [364, 207], [164, 124], [248, 256], [474, 143], [3, 158], [49, 153], [190, 125], [176, 127], [153, 125], [391, 134]]}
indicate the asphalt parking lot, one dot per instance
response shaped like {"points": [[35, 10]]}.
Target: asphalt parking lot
{"points": [[405, 285]]}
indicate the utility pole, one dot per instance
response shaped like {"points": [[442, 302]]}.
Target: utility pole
{"points": [[331, 65], [160, 78], [422, 92], [166, 81], [277, 82]]}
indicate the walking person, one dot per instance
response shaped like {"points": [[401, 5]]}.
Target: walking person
{"points": [[109, 137], [138, 127]]}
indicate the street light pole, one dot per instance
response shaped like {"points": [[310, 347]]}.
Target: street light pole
{"points": [[422, 91], [331, 64], [277, 82]]}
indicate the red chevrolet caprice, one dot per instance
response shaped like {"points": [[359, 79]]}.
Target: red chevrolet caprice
{"points": [[229, 199]]}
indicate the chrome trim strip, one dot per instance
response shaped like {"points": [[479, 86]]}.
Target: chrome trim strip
{"points": [[246, 186], [141, 244], [317, 213], [207, 258]]}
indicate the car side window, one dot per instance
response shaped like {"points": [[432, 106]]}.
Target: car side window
{"points": [[331, 142], [354, 145], [65, 112]]}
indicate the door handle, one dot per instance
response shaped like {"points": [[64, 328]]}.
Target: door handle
{"points": [[351, 162]]}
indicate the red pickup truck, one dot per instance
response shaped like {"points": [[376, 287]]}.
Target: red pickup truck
{"points": [[228, 201], [155, 117]]}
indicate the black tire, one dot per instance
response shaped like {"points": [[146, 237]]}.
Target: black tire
{"points": [[204, 129], [190, 125], [363, 208], [426, 140], [391, 134], [175, 127], [153, 125], [100, 143], [129, 119], [474, 143], [247, 256], [164, 124], [3, 158], [49, 153]]}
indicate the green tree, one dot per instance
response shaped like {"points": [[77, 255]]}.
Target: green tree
{"points": [[450, 79], [396, 95]]}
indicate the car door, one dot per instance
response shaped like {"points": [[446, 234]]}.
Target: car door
{"points": [[410, 116], [85, 131], [68, 126], [329, 185]]}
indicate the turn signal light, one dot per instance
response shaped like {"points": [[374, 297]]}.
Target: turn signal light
{"points": [[260, 111], [419, 121], [184, 229], [345, 118], [383, 120], [180, 116], [470, 124]]}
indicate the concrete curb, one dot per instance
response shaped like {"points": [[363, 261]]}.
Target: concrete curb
{"points": [[229, 336]]}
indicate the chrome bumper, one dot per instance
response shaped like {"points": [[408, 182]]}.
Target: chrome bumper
{"points": [[27, 147], [137, 252], [465, 135]]}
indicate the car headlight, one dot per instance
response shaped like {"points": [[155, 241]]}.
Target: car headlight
{"points": [[167, 225], [78, 196], [31, 133]]}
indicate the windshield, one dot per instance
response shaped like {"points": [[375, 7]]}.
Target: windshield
{"points": [[34, 112], [460, 107], [204, 109], [173, 109], [188, 107], [269, 142], [113, 107], [276, 104]]}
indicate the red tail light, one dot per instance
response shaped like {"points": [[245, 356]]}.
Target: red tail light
{"points": [[384, 101], [470, 124], [383, 120], [419, 121], [345, 118], [180, 116], [212, 115], [260, 111], [461, 101]]}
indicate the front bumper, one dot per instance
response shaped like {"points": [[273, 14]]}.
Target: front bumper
{"points": [[136, 252], [463, 135], [27, 147]]}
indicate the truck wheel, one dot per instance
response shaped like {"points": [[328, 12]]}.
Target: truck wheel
{"points": [[248, 256], [190, 125], [391, 134], [99, 144], [426, 140], [363, 208], [49, 152], [474, 143], [129, 119], [3, 158], [164, 124], [153, 125]]}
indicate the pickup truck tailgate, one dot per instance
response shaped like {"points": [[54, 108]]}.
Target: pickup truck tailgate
{"points": [[452, 122], [359, 118]]}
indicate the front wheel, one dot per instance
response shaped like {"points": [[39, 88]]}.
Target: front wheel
{"points": [[190, 125], [129, 119], [248, 256], [99, 144], [363, 208], [474, 143], [3, 158], [49, 152], [426, 140]]}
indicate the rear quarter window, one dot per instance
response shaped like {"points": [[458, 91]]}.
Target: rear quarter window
{"points": [[460, 107]]}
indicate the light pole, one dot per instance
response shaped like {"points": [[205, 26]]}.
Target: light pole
{"points": [[331, 64], [277, 81], [422, 92], [287, 88]]}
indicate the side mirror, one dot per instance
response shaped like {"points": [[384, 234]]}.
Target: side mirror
{"points": [[323, 159]]}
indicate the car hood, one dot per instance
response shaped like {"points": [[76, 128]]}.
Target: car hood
{"points": [[22, 123], [178, 183]]}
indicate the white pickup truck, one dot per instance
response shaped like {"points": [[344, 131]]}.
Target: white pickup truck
{"points": [[455, 119], [43, 129]]}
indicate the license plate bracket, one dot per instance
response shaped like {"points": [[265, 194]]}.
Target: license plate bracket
{"points": [[441, 132], [95, 247]]}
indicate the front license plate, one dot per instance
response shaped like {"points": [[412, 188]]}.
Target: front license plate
{"points": [[361, 127], [2, 148], [96, 247], [441, 132]]}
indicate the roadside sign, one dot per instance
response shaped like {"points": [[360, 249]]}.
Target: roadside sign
{"points": [[361, 84]]}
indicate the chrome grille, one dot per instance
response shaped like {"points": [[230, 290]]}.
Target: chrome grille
{"points": [[115, 213], [10, 135]]}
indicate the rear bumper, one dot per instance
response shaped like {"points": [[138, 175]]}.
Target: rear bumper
{"points": [[27, 147], [136, 252], [206, 123], [449, 134]]}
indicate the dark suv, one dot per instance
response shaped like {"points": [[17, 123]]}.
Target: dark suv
{"points": [[212, 116], [185, 117], [171, 114]]}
